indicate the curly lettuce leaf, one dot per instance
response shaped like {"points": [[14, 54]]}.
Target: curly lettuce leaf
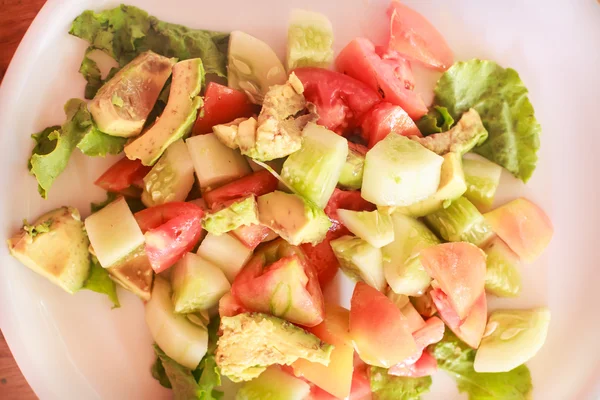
{"points": [[180, 378], [126, 31], [390, 387], [91, 72], [437, 120], [99, 281], [500, 98], [99, 144], [456, 358]]}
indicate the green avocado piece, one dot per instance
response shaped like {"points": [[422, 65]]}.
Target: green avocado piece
{"points": [[240, 213], [251, 342], [122, 104], [56, 247], [293, 218], [135, 274], [468, 133], [177, 118]]}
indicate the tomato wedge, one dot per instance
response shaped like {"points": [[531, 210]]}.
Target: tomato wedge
{"points": [[153, 217], [459, 269], [251, 235], [221, 105], [229, 306], [412, 35], [383, 73], [378, 328], [347, 200], [122, 175], [257, 183], [471, 329], [385, 118], [426, 365], [341, 100], [278, 280]]}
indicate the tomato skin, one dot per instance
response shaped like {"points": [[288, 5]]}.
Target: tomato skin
{"points": [[385, 118], [459, 268], [221, 105], [121, 175], [379, 330], [258, 284], [360, 60], [426, 365], [153, 217], [169, 242], [251, 235], [340, 100], [347, 200], [257, 183], [229, 306], [412, 35]]}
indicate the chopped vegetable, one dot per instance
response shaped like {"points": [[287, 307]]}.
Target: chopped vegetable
{"points": [[310, 40], [373, 226], [388, 387], [237, 214], [352, 171], [483, 178], [502, 277], [360, 261]]}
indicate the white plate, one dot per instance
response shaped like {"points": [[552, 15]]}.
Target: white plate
{"points": [[75, 347]]}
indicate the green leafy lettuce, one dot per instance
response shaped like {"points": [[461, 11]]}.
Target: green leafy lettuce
{"points": [[390, 387], [437, 120], [55, 144], [124, 32], [457, 359], [198, 384], [99, 281], [500, 98], [90, 71]]}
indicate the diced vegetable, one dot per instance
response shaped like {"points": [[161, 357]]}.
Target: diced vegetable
{"points": [[121, 175], [310, 40], [225, 251], [384, 118], [243, 212], [114, 233], [461, 221], [258, 183], [336, 378], [156, 216], [385, 386], [482, 177], [459, 270], [400, 172], [414, 319], [253, 66], [401, 262], [452, 186], [469, 330], [424, 304], [229, 306], [512, 338], [524, 226], [322, 258], [314, 170], [215, 163], [373, 226], [180, 339], [254, 234], [197, 284], [379, 330], [171, 178], [502, 277], [274, 384], [359, 260], [352, 171]]}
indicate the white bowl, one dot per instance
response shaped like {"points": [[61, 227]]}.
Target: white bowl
{"points": [[76, 347]]}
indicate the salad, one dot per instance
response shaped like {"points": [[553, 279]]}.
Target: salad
{"points": [[247, 184]]}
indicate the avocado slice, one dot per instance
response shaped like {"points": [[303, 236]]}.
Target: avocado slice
{"points": [[251, 342], [177, 118], [240, 213], [122, 104], [293, 218], [56, 247], [135, 274]]}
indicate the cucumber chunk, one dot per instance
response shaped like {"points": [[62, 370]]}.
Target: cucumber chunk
{"points": [[373, 226], [360, 261], [226, 252]]}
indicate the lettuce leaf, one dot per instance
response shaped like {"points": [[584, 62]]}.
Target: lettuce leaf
{"points": [[99, 281], [91, 72], [180, 378], [390, 387], [126, 31], [500, 98], [99, 144], [457, 359], [437, 120]]}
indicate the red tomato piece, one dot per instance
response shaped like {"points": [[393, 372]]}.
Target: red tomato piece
{"points": [[524, 227], [361, 385], [471, 329], [229, 306], [360, 60], [426, 365], [432, 332], [154, 217], [347, 200], [341, 100], [322, 258], [169, 242], [121, 175], [359, 148], [287, 288], [459, 269], [257, 183], [221, 105], [385, 118], [379, 330], [412, 35], [251, 235]]}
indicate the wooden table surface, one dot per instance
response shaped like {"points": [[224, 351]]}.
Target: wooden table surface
{"points": [[15, 18]]}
